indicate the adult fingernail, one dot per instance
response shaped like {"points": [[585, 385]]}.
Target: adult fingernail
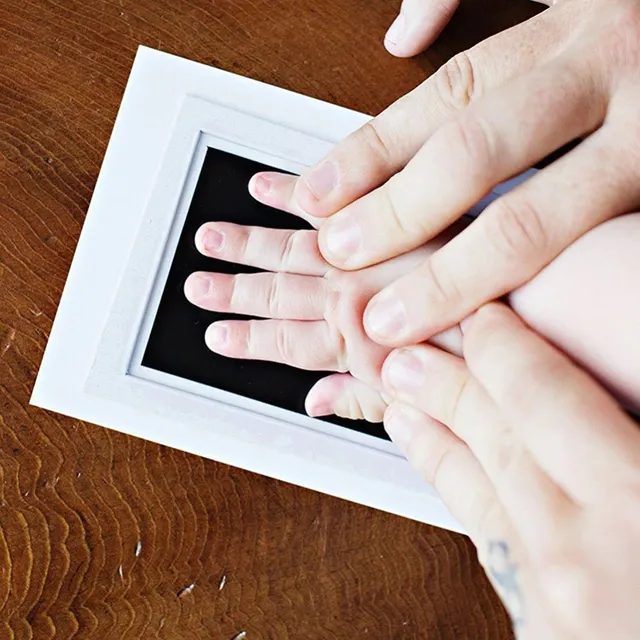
{"points": [[385, 317], [322, 180], [399, 425], [197, 287], [217, 336], [397, 31], [343, 238], [213, 240], [261, 185], [403, 374]]}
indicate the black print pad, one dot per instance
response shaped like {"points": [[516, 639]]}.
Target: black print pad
{"points": [[176, 343]]}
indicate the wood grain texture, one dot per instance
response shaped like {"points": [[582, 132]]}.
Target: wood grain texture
{"points": [[106, 536]]}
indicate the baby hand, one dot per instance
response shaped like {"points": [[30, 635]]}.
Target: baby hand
{"points": [[313, 312]]}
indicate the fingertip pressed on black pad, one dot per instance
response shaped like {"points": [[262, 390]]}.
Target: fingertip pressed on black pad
{"points": [[176, 343]]}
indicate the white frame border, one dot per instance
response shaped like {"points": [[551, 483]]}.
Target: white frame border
{"points": [[169, 105]]}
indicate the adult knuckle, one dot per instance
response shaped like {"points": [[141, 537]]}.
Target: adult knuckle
{"points": [[456, 403], [400, 225], [431, 464], [456, 82], [443, 288], [504, 453], [470, 141], [516, 230], [371, 137]]}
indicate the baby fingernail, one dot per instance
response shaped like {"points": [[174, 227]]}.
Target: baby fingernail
{"points": [[322, 180], [197, 287], [317, 407], [343, 238], [385, 318], [399, 425], [397, 31], [217, 336], [403, 373], [261, 185], [213, 240]]}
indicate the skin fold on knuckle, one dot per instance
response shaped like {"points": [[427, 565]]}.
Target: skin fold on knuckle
{"points": [[247, 339], [503, 455], [338, 347], [402, 227], [469, 148], [516, 233], [274, 296], [248, 244], [427, 458], [354, 409], [287, 250], [371, 142], [344, 305], [457, 82], [287, 349], [236, 296], [457, 400], [442, 294], [362, 403]]}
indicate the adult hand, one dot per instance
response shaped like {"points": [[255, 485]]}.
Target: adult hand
{"points": [[539, 465], [571, 72]]}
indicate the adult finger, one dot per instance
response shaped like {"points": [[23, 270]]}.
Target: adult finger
{"points": [[266, 295], [382, 146], [440, 385], [575, 430], [503, 134], [417, 25], [513, 239], [343, 395], [269, 249], [305, 345], [448, 464]]}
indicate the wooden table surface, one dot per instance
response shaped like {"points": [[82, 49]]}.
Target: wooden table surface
{"points": [[106, 536]]}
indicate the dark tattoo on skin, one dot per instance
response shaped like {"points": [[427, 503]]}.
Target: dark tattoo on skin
{"points": [[503, 572]]}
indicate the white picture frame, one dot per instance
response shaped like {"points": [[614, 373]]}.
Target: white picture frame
{"points": [[172, 111]]}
